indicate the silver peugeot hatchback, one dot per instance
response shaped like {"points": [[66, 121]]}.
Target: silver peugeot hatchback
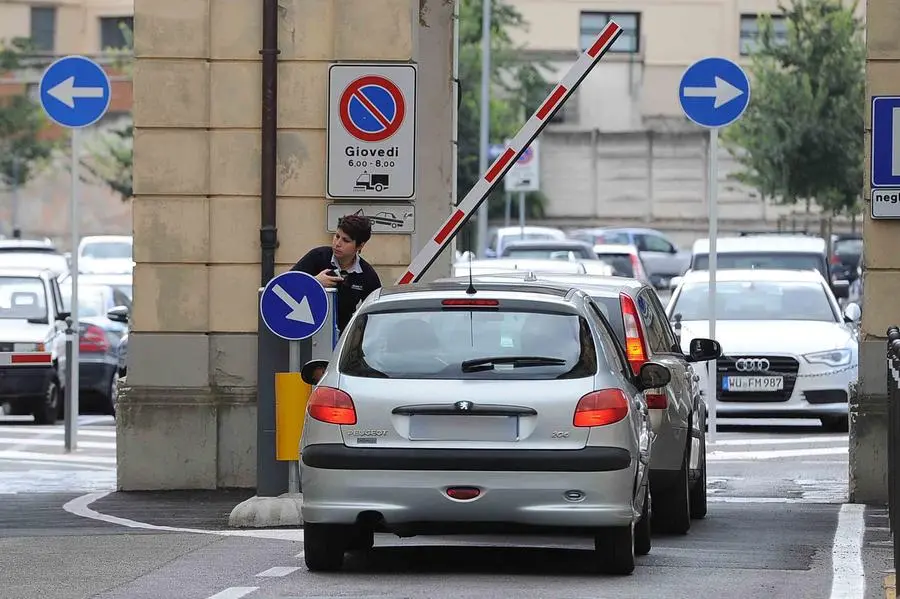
{"points": [[448, 410]]}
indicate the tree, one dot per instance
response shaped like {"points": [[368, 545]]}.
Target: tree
{"points": [[517, 88], [111, 154], [801, 138], [22, 148]]}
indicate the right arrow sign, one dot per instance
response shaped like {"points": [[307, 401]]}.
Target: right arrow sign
{"points": [[714, 92]]}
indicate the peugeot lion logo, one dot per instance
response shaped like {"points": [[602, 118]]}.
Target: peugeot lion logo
{"points": [[752, 365], [463, 406]]}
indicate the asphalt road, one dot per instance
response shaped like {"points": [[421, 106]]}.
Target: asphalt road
{"points": [[775, 506]]}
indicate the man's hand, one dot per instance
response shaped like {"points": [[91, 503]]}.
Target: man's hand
{"points": [[328, 280]]}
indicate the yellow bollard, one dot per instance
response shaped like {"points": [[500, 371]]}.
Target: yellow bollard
{"points": [[291, 396]]}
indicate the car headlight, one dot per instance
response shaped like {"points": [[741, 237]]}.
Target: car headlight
{"points": [[834, 357]]}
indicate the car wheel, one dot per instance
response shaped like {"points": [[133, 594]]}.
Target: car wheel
{"points": [[672, 505], [614, 547], [47, 411], [698, 491], [324, 546], [113, 394], [642, 540]]}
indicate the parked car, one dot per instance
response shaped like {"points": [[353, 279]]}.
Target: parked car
{"points": [[32, 341], [499, 237], [662, 258], [448, 408], [846, 251], [553, 249], [625, 260], [678, 463], [32, 254], [105, 254]]}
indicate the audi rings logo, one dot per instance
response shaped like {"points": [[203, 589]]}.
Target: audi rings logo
{"points": [[752, 365]]}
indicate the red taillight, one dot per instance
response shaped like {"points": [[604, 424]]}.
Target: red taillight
{"points": [[835, 259], [470, 302], [93, 339], [657, 401], [635, 348], [636, 266], [463, 493], [601, 408], [327, 404]]}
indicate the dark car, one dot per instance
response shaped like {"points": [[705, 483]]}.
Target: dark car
{"points": [[845, 254]]}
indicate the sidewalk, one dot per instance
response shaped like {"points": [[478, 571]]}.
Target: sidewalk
{"points": [[877, 554]]}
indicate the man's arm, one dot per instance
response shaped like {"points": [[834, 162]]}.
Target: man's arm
{"points": [[310, 263]]}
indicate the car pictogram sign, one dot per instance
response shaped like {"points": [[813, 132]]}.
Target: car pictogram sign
{"points": [[371, 132]]}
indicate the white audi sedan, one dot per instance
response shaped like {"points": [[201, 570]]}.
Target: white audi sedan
{"points": [[788, 351]]}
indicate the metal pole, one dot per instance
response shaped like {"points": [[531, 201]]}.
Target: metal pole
{"points": [[73, 366], [507, 212], [713, 173], [893, 357], [481, 237], [294, 467], [522, 215], [71, 423], [15, 194], [271, 474]]}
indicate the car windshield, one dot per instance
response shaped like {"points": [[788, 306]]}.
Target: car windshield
{"points": [[107, 250], [762, 260], [469, 344], [544, 253], [848, 247], [756, 300], [621, 263], [22, 298]]}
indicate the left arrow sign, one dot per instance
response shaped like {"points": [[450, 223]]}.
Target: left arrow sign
{"points": [[67, 93]]}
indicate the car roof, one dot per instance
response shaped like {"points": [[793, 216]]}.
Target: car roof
{"points": [[548, 243], [615, 248], [755, 274], [26, 271], [762, 244], [511, 230], [38, 245], [594, 283], [452, 287]]}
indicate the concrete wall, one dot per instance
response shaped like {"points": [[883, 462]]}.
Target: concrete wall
{"points": [[188, 416], [868, 413]]}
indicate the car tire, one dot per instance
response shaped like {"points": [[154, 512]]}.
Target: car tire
{"points": [[698, 499], [614, 547], [672, 504], [48, 410], [112, 398], [324, 546], [642, 531]]}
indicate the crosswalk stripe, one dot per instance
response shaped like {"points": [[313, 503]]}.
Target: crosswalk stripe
{"points": [[56, 431], [843, 439], [22, 441], [64, 457]]}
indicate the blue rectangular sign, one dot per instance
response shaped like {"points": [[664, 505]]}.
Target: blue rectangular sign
{"points": [[885, 141]]}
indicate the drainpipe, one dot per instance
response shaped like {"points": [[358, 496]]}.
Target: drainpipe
{"points": [[268, 232]]}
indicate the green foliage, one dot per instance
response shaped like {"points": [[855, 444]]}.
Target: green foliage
{"points": [[517, 88], [801, 137], [22, 151], [111, 154]]}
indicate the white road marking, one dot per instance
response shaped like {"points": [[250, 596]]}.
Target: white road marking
{"points": [[47, 433], [774, 441], [24, 443], [848, 579], [234, 593], [278, 571], [50, 462], [726, 456], [80, 506], [62, 457]]}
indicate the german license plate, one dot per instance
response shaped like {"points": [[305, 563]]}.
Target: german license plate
{"points": [[425, 427], [752, 383]]}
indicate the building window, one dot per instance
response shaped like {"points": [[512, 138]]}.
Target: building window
{"points": [[43, 28], [592, 23], [111, 35], [750, 30]]}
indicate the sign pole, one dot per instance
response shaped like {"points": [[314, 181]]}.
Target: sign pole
{"points": [[294, 365], [71, 392], [485, 124], [522, 214], [712, 168]]}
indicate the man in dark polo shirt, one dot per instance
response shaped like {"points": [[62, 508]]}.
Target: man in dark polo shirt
{"points": [[341, 266]]}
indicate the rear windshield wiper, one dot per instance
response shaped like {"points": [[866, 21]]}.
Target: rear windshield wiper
{"points": [[480, 364]]}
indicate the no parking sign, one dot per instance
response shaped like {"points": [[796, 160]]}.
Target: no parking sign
{"points": [[371, 132]]}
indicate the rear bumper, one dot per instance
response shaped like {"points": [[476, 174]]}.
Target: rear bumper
{"points": [[25, 384], [415, 502], [95, 376], [335, 456]]}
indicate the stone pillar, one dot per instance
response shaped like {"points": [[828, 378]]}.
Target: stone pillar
{"points": [[187, 417], [868, 412]]}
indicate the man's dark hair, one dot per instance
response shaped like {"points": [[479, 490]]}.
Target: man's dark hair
{"points": [[356, 227]]}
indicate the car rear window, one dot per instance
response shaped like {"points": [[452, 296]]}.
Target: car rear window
{"points": [[621, 263], [848, 247], [543, 253], [435, 344], [763, 260]]}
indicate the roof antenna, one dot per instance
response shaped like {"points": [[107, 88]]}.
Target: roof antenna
{"points": [[471, 289]]}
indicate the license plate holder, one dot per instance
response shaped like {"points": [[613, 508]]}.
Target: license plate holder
{"points": [[751, 384], [428, 427]]}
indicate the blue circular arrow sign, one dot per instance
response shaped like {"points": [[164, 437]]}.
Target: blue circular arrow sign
{"points": [[294, 305], [714, 92], [75, 92]]}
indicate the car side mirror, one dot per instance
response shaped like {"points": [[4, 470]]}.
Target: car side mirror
{"points": [[704, 350], [841, 288], [118, 314], [674, 283], [312, 371], [653, 375], [852, 312]]}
